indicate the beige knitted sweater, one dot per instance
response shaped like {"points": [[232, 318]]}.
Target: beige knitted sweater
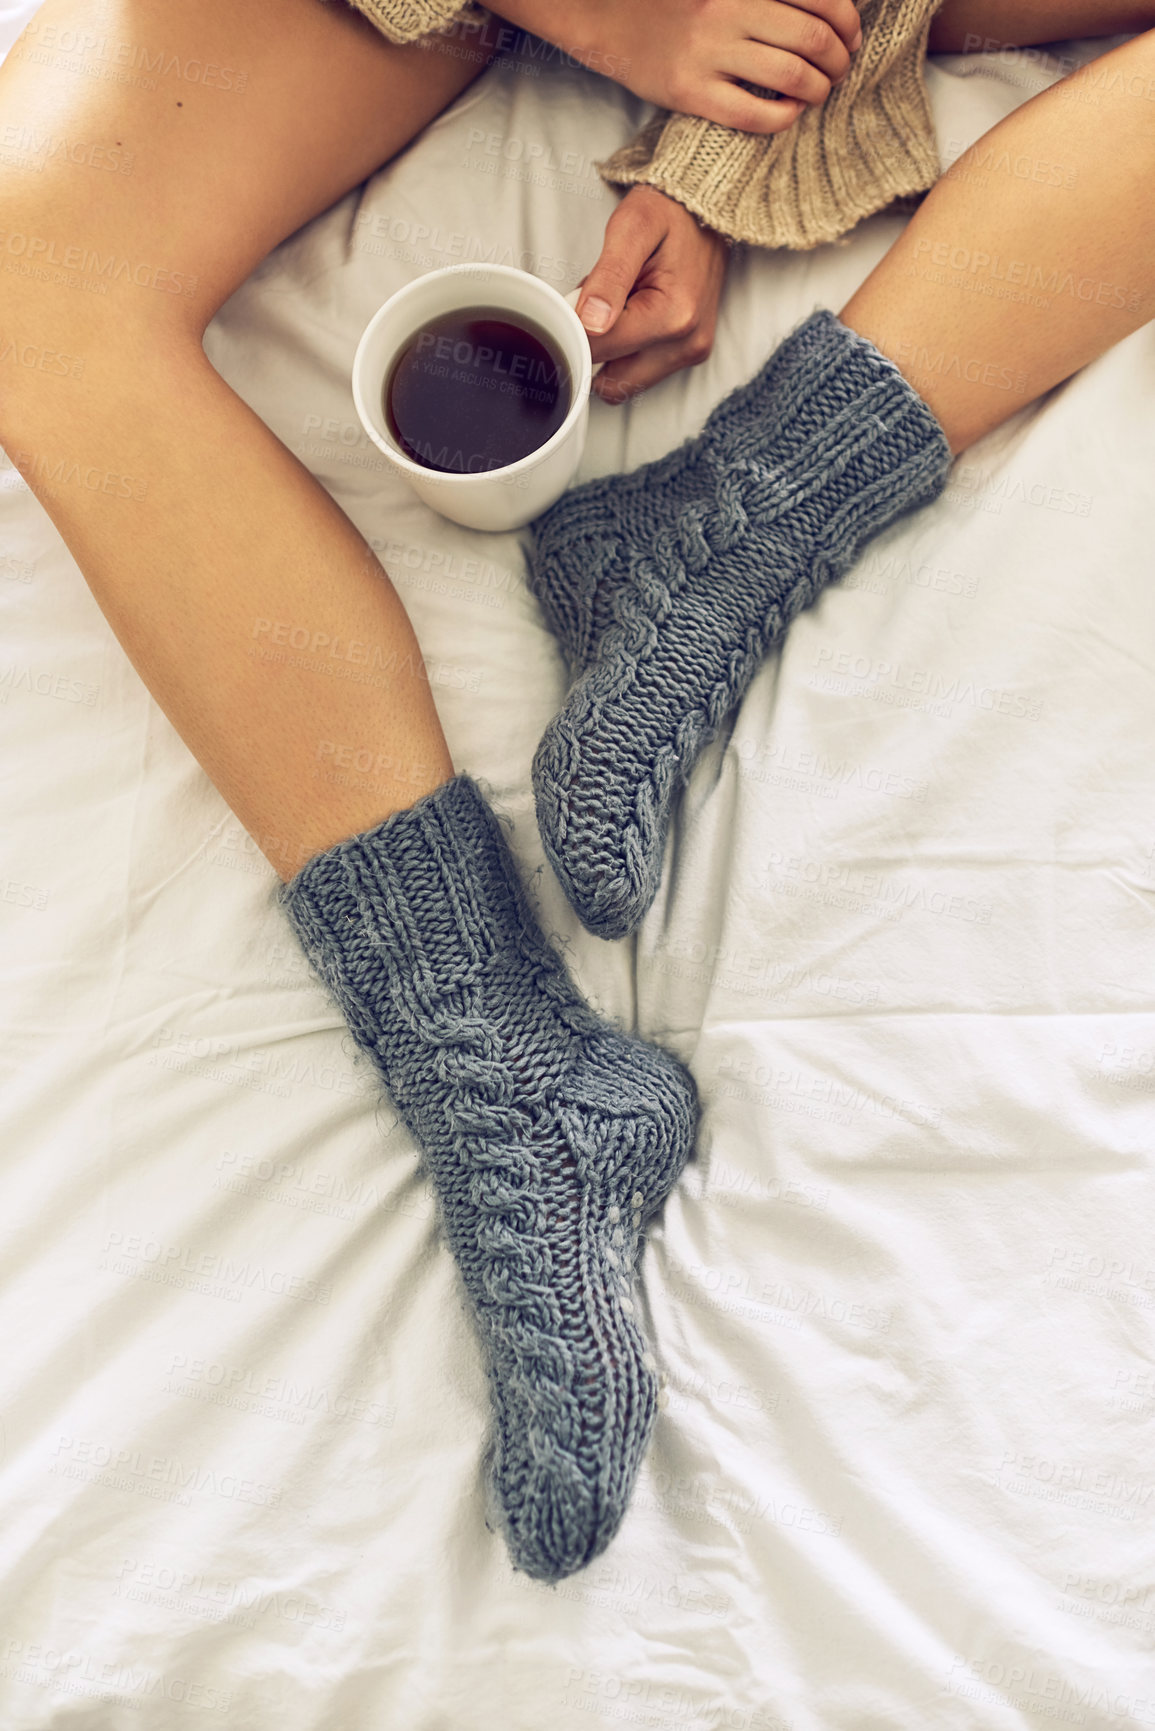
{"points": [[870, 143]]}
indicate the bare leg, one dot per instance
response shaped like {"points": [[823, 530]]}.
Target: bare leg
{"points": [[963, 25], [222, 527], [1000, 287], [547, 1133]]}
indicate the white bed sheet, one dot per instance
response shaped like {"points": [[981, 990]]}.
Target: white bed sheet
{"points": [[903, 1296]]}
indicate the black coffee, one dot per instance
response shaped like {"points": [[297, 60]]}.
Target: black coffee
{"points": [[472, 391]]}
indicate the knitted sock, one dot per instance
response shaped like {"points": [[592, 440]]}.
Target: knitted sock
{"points": [[669, 585], [549, 1138]]}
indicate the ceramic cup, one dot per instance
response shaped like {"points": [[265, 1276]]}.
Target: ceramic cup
{"points": [[497, 498]]}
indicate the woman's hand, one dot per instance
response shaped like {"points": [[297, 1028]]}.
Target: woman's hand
{"points": [[650, 303], [694, 56]]}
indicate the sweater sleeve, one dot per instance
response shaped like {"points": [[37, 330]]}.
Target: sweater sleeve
{"points": [[871, 142], [406, 20]]}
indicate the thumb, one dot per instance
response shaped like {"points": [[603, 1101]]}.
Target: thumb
{"points": [[632, 234]]}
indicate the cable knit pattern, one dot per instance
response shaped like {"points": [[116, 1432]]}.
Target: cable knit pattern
{"points": [[549, 1137], [669, 586]]}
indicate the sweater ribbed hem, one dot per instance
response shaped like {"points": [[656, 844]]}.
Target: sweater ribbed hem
{"points": [[871, 143], [408, 20]]}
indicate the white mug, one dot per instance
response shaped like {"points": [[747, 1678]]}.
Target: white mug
{"points": [[495, 498]]}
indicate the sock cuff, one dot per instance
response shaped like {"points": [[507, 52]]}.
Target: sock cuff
{"points": [[429, 896], [822, 374], [832, 437]]}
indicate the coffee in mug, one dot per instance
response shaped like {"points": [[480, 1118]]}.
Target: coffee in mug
{"points": [[476, 389], [515, 493]]}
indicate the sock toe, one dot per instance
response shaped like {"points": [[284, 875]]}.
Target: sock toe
{"points": [[564, 1496], [607, 864], [580, 1406]]}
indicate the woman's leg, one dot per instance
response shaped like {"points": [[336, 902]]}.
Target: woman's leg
{"points": [[687, 572], [961, 26], [549, 1137], [284, 105], [1001, 286]]}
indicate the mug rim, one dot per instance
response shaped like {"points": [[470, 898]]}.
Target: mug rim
{"points": [[451, 476]]}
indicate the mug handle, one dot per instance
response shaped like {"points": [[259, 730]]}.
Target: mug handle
{"points": [[571, 300]]}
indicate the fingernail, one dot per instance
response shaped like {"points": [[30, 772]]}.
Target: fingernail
{"points": [[857, 43], [597, 315]]}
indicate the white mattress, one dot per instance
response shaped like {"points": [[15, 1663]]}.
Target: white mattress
{"points": [[903, 1296]]}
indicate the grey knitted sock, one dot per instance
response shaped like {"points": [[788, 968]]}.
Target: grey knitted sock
{"points": [[549, 1138], [669, 585]]}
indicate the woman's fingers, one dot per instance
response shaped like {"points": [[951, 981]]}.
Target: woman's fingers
{"points": [[751, 65], [655, 314], [797, 35], [628, 377], [796, 54], [664, 328], [660, 275], [775, 69], [764, 19], [727, 104], [632, 233]]}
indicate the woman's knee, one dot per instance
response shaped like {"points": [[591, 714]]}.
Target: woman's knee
{"points": [[78, 319], [71, 254]]}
